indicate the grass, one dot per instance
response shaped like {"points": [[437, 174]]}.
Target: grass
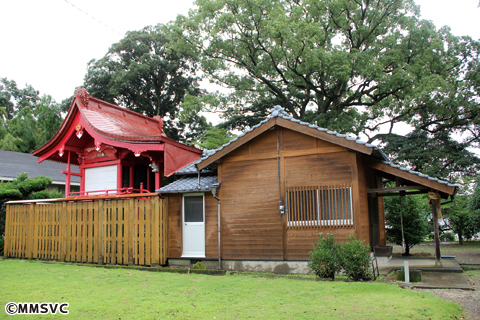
{"points": [[130, 294]]}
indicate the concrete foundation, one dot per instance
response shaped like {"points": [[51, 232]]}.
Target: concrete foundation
{"points": [[280, 267]]}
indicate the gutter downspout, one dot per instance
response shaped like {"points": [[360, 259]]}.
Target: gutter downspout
{"points": [[219, 233]]}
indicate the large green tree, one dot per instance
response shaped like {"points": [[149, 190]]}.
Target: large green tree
{"points": [[439, 155], [144, 73], [27, 120], [352, 66]]}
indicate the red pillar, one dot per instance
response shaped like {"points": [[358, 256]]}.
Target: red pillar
{"points": [[67, 177], [149, 180], [158, 180], [131, 176], [119, 177]]}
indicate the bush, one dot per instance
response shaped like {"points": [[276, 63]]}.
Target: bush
{"points": [[355, 259], [2, 242], [323, 258], [199, 266]]}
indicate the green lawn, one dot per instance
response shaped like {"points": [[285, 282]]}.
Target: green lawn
{"points": [[99, 293]]}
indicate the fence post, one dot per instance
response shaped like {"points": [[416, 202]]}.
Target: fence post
{"points": [[155, 225], [31, 232], [63, 231], [34, 229], [132, 230], [101, 234]]}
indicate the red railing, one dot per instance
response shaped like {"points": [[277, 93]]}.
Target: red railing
{"points": [[108, 192]]}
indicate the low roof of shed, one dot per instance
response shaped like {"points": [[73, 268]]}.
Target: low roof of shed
{"points": [[189, 184]]}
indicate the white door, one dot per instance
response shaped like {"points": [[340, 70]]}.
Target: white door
{"points": [[100, 178], [193, 226]]}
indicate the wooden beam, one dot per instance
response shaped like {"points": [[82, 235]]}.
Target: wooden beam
{"points": [[438, 256], [398, 193], [411, 177], [396, 189]]}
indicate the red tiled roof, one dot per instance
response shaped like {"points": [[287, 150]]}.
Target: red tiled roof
{"points": [[112, 125]]}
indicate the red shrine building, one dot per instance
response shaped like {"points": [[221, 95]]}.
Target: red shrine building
{"points": [[117, 150]]}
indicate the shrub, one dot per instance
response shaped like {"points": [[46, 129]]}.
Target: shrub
{"points": [[2, 242], [323, 258], [199, 266], [355, 259]]}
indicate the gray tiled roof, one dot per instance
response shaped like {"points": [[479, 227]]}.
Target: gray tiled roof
{"points": [[13, 163], [421, 174], [192, 169], [189, 184], [280, 112]]}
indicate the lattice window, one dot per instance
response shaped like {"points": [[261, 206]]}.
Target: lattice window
{"points": [[316, 206]]}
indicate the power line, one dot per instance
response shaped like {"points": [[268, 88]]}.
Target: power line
{"points": [[86, 13]]}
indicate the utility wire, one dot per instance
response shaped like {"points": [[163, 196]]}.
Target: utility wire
{"points": [[86, 13]]}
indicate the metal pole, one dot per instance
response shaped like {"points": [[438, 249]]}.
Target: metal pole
{"points": [[219, 243]]}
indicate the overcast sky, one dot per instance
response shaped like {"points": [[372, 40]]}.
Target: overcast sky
{"points": [[49, 43]]}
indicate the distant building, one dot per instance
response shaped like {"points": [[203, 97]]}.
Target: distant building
{"points": [[14, 163]]}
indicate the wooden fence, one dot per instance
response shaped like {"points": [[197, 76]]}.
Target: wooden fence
{"points": [[130, 230]]}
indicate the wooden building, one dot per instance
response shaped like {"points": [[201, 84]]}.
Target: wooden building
{"points": [[117, 150], [281, 183]]}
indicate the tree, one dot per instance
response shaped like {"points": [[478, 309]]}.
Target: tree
{"points": [[460, 219], [415, 223], [143, 73], [214, 137], [27, 120], [24, 188], [438, 156], [350, 66]]}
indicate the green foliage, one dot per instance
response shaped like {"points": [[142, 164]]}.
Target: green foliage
{"points": [[199, 266], [437, 155], [2, 243], [414, 210], [214, 137], [145, 74], [355, 259], [324, 257], [352, 256], [321, 60], [26, 120], [24, 188], [349, 66]]}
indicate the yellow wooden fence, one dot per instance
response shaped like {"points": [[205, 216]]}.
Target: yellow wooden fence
{"points": [[114, 231]]}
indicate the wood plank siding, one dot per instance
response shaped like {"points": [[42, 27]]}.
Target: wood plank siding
{"points": [[252, 226]]}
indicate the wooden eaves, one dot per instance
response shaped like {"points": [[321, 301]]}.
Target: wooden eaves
{"points": [[410, 180]]}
